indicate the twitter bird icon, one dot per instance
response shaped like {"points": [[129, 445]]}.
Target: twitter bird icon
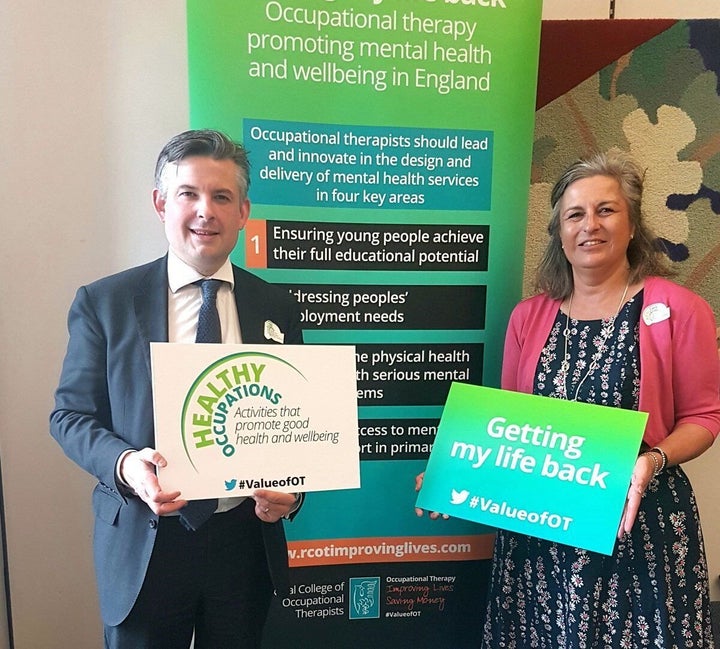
{"points": [[459, 497]]}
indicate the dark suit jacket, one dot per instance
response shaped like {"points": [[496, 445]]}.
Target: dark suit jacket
{"points": [[103, 407]]}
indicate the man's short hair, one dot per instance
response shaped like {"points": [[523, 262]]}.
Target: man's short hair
{"points": [[208, 143]]}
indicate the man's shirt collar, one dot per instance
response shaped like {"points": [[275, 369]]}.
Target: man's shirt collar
{"points": [[181, 275]]}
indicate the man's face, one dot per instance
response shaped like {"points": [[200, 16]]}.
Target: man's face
{"points": [[203, 211]]}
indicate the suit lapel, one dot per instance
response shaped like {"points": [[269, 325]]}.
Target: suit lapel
{"points": [[151, 306]]}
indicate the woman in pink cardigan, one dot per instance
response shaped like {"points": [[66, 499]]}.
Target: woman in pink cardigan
{"points": [[608, 328]]}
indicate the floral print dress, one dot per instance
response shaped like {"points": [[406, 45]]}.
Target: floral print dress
{"points": [[653, 591]]}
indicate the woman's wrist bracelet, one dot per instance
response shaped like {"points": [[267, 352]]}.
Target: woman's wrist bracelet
{"points": [[663, 455], [653, 457]]}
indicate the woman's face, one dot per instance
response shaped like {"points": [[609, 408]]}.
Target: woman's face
{"points": [[595, 227]]}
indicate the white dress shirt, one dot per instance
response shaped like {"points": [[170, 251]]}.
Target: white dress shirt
{"points": [[184, 300]]}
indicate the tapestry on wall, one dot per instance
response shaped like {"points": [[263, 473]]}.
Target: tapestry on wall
{"points": [[659, 99]]}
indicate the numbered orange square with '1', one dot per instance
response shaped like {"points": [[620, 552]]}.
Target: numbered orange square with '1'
{"points": [[256, 244]]}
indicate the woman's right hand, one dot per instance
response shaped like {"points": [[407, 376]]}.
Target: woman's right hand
{"points": [[418, 510]]}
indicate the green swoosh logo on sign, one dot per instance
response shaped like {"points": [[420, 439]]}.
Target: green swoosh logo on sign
{"points": [[203, 377]]}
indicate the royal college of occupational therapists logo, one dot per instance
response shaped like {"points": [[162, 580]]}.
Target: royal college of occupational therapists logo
{"points": [[364, 597]]}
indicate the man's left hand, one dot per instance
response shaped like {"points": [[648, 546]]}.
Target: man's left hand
{"points": [[271, 506]]}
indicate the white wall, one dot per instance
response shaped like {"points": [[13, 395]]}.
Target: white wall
{"points": [[625, 9], [90, 92], [667, 9]]}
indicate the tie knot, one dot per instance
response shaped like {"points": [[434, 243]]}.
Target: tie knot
{"points": [[209, 288]]}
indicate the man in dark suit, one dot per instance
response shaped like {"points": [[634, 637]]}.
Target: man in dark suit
{"points": [[158, 581]]}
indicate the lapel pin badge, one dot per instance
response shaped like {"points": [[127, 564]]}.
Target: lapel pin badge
{"points": [[272, 332], [655, 313]]}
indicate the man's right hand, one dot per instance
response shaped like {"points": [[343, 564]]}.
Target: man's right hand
{"points": [[137, 470]]}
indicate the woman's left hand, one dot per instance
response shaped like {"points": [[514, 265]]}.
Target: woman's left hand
{"points": [[641, 476]]}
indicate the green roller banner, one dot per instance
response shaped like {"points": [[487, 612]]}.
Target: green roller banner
{"points": [[390, 144]]}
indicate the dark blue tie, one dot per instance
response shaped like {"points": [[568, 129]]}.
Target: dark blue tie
{"points": [[208, 329], [197, 512]]}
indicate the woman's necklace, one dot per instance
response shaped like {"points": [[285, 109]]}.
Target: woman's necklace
{"points": [[608, 326]]}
